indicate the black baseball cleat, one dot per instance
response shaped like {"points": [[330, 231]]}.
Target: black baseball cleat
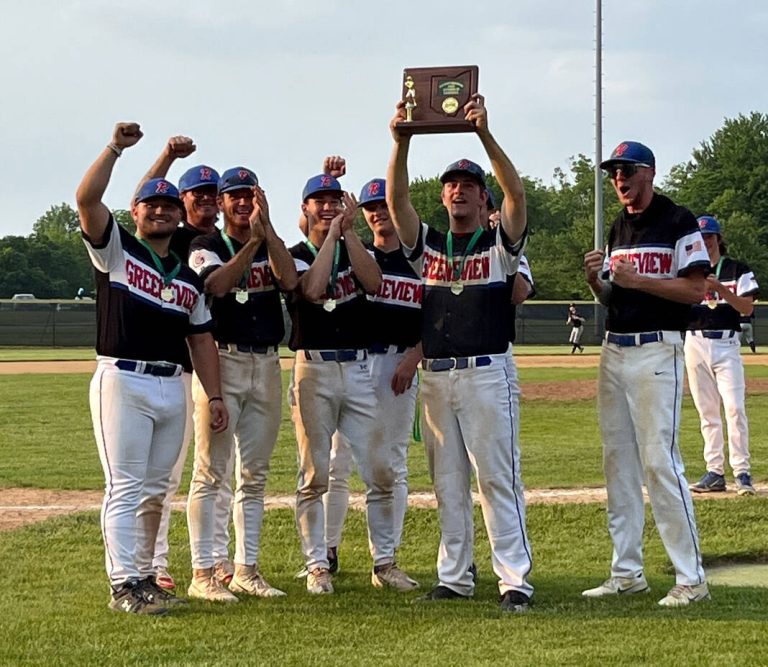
{"points": [[441, 593], [159, 595], [515, 601], [132, 598], [473, 571], [333, 560]]}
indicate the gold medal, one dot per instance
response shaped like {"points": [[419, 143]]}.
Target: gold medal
{"points": [[241, 296], [457, 287], [329, 305], [166, 294]]}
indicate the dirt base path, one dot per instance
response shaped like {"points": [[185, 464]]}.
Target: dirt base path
{"points": [[21, 506]]}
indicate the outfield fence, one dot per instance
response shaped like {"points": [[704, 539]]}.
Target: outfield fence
{"points": [[72, 323]]}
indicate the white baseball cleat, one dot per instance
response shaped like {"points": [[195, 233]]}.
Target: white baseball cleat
{"points": [[248, 580], [682, 595], [618, 586], [393, 577], [319, 581], [209, 589]]}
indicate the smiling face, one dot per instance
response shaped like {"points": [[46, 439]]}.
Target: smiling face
{"points": [[201, 206], [633, 185], [237, 206], [320, 209], [463, 196], [156, 218]]}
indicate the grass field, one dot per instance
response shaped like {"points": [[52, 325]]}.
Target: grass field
{"points": [[46, 415], [54, 606]]}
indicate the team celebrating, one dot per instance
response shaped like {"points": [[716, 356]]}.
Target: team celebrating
{"points": [[190, 316]]}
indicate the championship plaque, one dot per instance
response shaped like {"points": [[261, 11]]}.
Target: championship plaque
{"points": [[435, 97]]}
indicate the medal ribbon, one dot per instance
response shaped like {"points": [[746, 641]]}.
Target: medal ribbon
{"points": [[457, 271], [170, 275], [228, 242], [331, 289]]}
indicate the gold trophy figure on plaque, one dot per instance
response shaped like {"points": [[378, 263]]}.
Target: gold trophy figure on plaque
{"points": [[410, 99]]}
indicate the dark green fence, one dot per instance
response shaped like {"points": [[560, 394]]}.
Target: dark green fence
{"points": [[73, 323]]}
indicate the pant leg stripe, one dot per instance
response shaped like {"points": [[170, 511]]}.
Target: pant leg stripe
{"points": [[109, 486], [680, 482], [520, 521]]}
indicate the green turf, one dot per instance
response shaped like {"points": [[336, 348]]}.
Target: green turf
{"points": [[45, 421], [54, 609]]}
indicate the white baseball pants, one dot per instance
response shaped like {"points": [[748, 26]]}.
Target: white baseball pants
{"points": [[138, 421], [251, 389], [395, 414], [640, 392], [469, 424], [328, 396], [715, 370]]}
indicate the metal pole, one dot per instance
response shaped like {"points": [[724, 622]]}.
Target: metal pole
{"points": [[598, 313], [598, 125]]}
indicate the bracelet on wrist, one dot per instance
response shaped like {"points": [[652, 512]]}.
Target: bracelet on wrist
{"points": [[115, 149], [215, 398]]}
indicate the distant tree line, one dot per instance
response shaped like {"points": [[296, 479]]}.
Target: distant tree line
{"points": [[727, 176]]}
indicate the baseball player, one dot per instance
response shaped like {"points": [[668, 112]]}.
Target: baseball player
{"points": [[393, 358], [150, 306], [651, 272], [331, 386], [748, 330], [197, 189], [713, 362], [469, 415], [576, 322], [243, 266]]}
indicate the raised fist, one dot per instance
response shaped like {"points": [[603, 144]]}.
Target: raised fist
{"points": [[180, 147], [335, 165], [126, 135]]}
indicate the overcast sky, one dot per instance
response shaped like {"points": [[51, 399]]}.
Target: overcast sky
{"points": [[278, 85]]}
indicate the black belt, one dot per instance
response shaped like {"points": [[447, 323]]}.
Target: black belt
{"points": [[632, 340], [335, 355], [380, 348], [251, 349], [716, 335], [147, 368], [455, 363]]}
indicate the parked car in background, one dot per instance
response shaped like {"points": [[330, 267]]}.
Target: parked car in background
{"points": [[22, 297]]}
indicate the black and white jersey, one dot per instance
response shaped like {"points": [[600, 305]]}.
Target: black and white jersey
{"points": [[395, 310], [314, 327], [735, 276], [182, 238], [133, 320], [479, 319], [662, 242], [258, 321]]}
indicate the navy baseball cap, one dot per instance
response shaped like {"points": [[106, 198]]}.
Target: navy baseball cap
{"points": [[464, 167], [708, 225], [491, 201], [373, 191], [237, 178], [319, 184], [197, 177], [156, 188], [630, 152]]}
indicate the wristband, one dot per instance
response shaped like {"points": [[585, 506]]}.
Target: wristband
{"points": [[215, 398], [115, 149]]}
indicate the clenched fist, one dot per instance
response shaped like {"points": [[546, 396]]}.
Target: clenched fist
{"points": [[126, 135]]}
